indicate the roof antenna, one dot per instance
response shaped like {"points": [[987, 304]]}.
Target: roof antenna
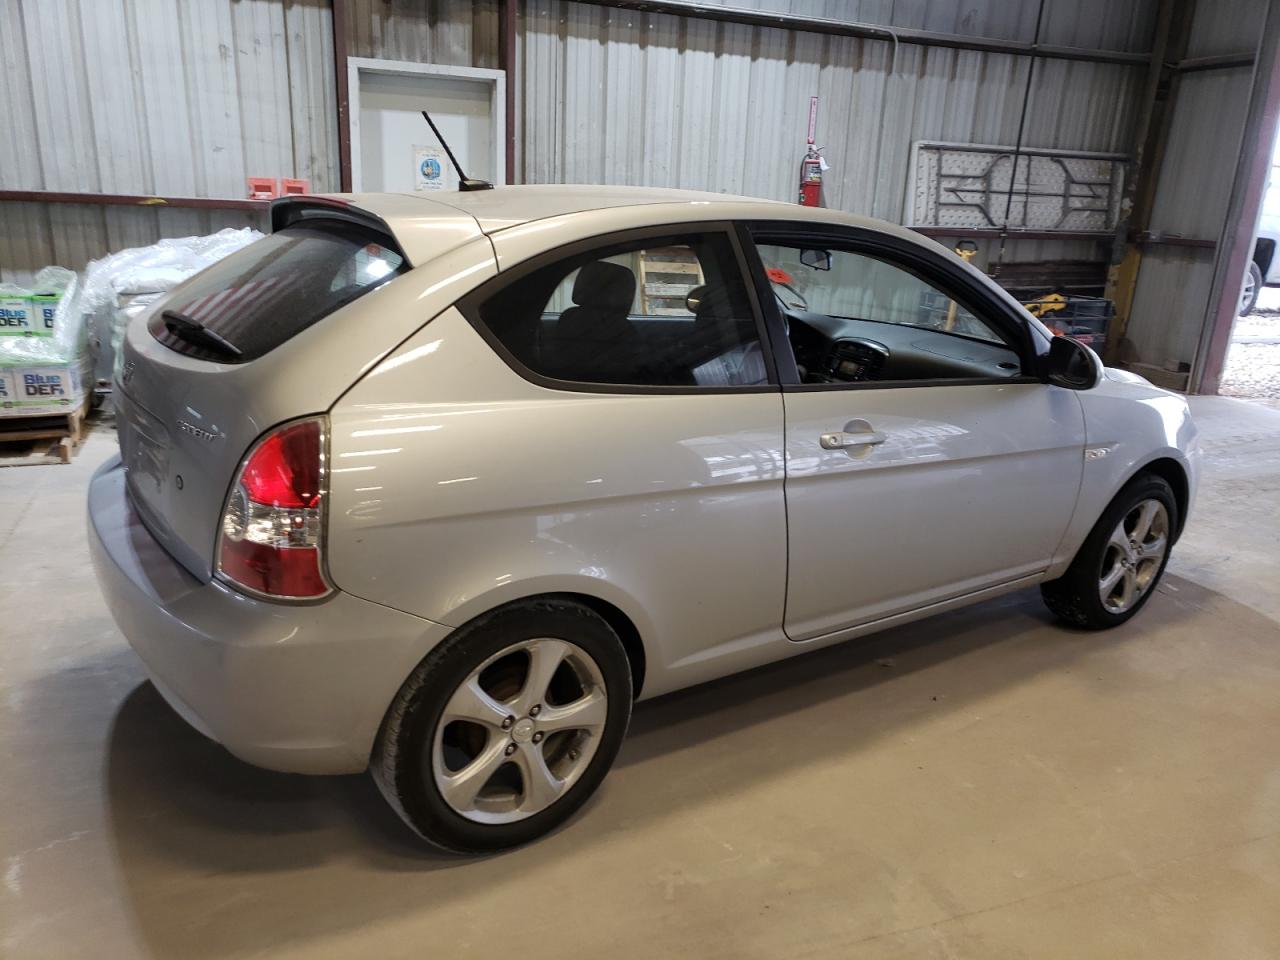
{"points": [[464, 182]]}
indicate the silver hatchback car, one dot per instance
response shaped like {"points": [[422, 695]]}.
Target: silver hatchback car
{"points": [[439, 487]]}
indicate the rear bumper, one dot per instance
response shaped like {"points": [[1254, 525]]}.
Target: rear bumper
{"points": [[297, 688]]}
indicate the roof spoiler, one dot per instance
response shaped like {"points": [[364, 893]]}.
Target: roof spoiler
{"points": [[288, 211]]}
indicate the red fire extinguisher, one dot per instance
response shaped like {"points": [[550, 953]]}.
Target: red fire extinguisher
{"points": [[811, 179], [811, 166]]}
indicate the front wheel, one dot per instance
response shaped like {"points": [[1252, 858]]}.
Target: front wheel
{"points": [[1251, 289], [1121, 560], [507, 727]]}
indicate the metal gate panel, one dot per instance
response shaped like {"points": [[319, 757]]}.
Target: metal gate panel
{"points": [[968, 186]]}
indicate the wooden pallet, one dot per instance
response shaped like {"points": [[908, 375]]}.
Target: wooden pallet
{"points": [[64, 431], [667, 274]]}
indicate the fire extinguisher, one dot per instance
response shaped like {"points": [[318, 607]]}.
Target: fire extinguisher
{"points": [[811, 166], [811, 178]]}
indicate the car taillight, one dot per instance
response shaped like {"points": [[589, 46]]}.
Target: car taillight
{"points": [[273, 524]]}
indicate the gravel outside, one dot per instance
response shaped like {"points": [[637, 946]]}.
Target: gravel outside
{"points": [[1253, 360]]}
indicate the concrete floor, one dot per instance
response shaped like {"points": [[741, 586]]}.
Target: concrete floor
{"points": [[985, 784]]}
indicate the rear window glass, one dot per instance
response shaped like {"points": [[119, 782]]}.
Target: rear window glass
{"points": [[260, 297]]}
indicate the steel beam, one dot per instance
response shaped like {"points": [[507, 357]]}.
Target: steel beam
{"points": [[1235, 247], [873, 31], [340, 19], [507, 57], [133, 200], [1173, 27]]}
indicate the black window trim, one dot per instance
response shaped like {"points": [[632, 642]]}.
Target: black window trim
{"points": [[469, 307], [919, 261]]}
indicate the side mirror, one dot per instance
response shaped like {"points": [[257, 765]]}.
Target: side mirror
{"points": [[817, 259], [693, 299], [1072, 365]]}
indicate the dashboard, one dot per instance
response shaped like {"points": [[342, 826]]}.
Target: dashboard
{"points": [[845, 349]]}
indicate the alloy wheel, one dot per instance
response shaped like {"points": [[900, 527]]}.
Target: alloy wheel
{"points": [[519, 731], [1133, 556], [1246, 294]]}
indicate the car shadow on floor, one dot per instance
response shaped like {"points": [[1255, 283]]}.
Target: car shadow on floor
{"points": [[288, 857]]}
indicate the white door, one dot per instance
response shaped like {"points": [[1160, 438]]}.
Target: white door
{"points": [[392, 147], [922, 464]]}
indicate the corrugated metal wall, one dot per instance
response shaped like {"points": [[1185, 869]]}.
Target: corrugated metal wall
{"points": [[158, 96], [617, 96], [186, 99], [222, 89], [446, 32], [149, 96], [625, 97], [1194, 188], [1093, 24], [34, 235]]}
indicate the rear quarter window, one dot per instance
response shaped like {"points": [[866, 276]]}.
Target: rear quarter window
{"points": [[670, 312], [264, 295]]}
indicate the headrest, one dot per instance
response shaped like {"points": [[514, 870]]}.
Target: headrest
{"points": [[605, 286]]}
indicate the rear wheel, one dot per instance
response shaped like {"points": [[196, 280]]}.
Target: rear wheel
{"points": [[1122, 559], [507, 728]]}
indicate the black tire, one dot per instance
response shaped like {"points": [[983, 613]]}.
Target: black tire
{"points": [[1074, 597], [1252, 289], [401, 763]]}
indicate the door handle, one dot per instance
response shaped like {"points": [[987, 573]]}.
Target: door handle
{"points": [[843, 441]]}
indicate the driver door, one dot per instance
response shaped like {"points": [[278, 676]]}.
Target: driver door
{"points": [[923, 462]]}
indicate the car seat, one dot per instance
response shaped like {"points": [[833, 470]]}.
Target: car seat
{"points": [[594, 339]]}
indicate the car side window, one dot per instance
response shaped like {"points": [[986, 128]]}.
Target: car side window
{"points": [[851, 318], [659, 312]]}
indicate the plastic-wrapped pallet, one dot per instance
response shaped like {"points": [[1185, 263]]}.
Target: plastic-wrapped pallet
{"points": [[44, 365], [16, 311], [33, 312], [119, 287]]}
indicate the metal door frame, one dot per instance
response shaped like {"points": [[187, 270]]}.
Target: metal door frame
{"points": [[494, 80]]}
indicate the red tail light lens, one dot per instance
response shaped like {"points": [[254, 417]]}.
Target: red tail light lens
{"points": [[273, 524], [284, 470]]}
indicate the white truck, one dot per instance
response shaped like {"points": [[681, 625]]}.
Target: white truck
{"points": [[1264, 268]]}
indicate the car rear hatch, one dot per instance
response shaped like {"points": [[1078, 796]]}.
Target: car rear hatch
{"points": [[257, 339]]}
